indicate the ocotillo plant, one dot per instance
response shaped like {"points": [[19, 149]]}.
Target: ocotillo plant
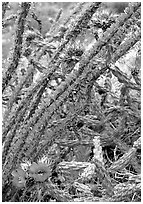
{"points": [[71, 106]]}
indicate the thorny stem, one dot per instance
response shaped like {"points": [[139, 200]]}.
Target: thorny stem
{"points": [[23, 141], [76, 28], [4, 8], [124, 47], [18, 45]]}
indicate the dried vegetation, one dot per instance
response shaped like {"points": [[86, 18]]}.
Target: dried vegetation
{"points": [[71, 107]]}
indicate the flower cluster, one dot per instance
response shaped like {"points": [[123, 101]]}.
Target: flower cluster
{"points": [[38, 171]]}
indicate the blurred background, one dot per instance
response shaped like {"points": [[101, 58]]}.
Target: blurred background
{"points": [[44, 10]]}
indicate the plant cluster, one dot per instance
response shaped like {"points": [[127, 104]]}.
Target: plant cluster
{"points": [[71, 107]]}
